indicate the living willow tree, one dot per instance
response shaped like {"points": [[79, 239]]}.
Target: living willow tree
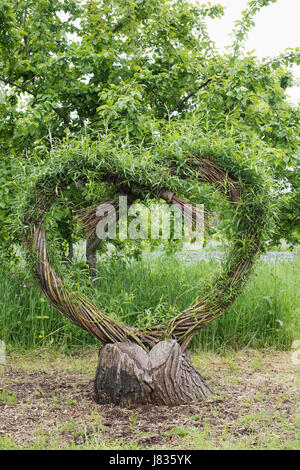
{"points": [[135, 97]]}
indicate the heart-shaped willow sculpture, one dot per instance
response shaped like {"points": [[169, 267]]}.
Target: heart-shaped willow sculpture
{"points": [[137, 177]]}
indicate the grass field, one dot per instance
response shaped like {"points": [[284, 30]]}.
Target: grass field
{"points": [[267, 314], [46, 402]]}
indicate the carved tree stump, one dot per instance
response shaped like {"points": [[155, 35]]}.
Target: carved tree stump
{"points": [[128, 375]]}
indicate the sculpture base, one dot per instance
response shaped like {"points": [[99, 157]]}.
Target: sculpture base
{"points": [[127, 375]]}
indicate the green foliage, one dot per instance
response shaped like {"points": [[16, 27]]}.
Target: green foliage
{"points": [[128, 68], [243, 26]]}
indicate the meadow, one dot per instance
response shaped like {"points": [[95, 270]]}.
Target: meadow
{"points": [[144, 291]]}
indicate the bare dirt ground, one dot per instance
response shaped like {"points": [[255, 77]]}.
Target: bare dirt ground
{"points": [[46, 402]]}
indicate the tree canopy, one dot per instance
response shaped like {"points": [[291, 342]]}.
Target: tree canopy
{"points": [[130, 70]]}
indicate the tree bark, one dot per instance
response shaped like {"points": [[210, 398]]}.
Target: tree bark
{"points": [[92, 244], [128, 375]]}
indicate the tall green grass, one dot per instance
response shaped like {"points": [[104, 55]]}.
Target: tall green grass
{"points": [[267, 314]]}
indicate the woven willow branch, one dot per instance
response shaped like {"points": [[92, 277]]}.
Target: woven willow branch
{"points": [[89, 219], [84, 314], [80, 311]]}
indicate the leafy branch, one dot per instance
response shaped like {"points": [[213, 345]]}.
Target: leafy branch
{"points": [[246, 23]]}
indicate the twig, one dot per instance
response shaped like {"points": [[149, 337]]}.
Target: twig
{"points": [[189, 95]]}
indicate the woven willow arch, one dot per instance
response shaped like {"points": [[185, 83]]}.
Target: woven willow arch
{"points": [[236, 181]]}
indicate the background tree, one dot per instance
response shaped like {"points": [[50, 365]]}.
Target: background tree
{"points": [[129, 69]]}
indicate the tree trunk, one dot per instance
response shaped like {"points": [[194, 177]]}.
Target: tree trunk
{"points": [[92, 244], [70, 252], [128, 375]]}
